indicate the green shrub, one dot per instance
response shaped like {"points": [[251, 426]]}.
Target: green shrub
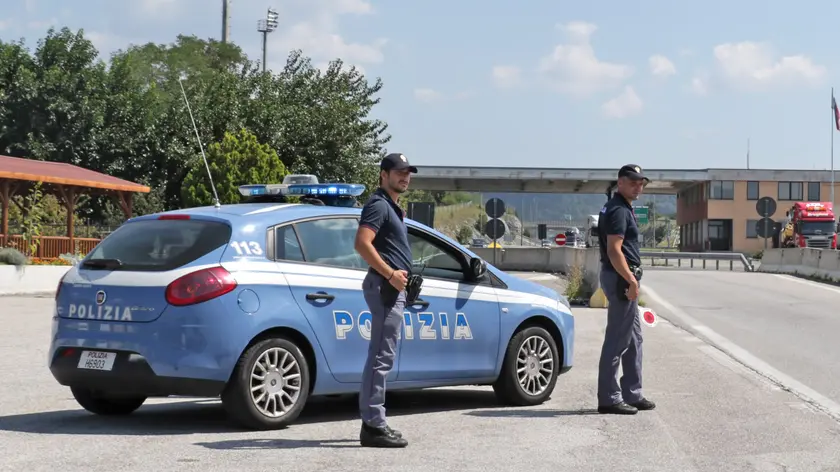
{"points": [[11, 256], [576, 284]]}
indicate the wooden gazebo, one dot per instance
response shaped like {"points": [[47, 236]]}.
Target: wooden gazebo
{"points": [[66, 181]]}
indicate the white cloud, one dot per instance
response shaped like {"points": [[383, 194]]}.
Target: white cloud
{"points": [[506, 76], [318, 35], [155, 5], [624, 105], [574, 68], [661, 66], [753, 64], [700, 86], [427, 95]]}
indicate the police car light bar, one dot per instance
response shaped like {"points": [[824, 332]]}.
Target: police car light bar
{"points": [[351, 190], [315, 190], [252, 190]]}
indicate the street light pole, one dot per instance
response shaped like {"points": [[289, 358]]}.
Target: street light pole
{"points": [[225, 21], [268, 25]]}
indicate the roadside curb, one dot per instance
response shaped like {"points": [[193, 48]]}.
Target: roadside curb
{"points": [[29, 293]]}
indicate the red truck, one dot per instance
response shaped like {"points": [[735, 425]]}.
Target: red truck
{"points": [[810, 224]]}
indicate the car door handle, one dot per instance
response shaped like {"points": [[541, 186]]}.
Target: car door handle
{"points": [[420, 302], [319, 296]]}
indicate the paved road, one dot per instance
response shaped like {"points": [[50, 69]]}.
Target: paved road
{"points": [[713, 415], [789, 323]]}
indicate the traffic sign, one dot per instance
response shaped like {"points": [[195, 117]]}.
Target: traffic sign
{"points": [[765, 206], [641, 215], [495, 228], [495, 208], [542, 231], [560, 239], [765, 227]]}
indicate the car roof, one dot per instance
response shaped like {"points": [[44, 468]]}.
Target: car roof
{"points": [[270, 214]]}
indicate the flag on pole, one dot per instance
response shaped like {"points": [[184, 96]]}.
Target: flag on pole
{"points": [[836, 113]]}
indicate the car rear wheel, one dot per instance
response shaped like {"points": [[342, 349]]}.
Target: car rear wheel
{"points": [[530, 368], [103, 404], [269, 386]]}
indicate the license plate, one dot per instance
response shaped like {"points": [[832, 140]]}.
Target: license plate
{"points": [[97, 360], [818, 238]]}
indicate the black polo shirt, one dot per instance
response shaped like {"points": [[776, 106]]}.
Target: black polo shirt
{"points": [[387, 219], [617, 218]]}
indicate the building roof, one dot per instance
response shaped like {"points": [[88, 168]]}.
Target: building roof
{"points": [[16, 168]]}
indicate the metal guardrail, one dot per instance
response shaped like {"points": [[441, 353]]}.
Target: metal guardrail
{"points": [[717, 257]]}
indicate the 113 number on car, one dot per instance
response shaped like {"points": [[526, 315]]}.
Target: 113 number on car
{"points": [[247, 248]]}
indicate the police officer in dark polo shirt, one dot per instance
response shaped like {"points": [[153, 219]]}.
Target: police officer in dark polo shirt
{"points": [[382, 240], [621, 272]]}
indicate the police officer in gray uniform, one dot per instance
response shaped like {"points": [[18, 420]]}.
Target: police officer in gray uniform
{"points": [[382, 240], [621, 272]]}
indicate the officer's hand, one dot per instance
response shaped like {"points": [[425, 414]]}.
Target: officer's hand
{"points": [[399, 279], [633, 291]]}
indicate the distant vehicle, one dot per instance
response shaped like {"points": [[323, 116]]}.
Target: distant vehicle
{"points": [[811, 224], [592, 231], [478, 242], [260, 303]]}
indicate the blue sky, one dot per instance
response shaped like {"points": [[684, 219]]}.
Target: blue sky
{"points": [[538, 83]]}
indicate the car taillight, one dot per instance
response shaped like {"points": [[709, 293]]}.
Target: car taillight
{"points": [[200, 286], [60, 283]]}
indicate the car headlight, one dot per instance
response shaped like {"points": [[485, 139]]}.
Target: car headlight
{"points": [[563, 302]]}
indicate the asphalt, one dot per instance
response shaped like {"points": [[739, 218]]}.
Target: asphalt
{"points": [[713, 415], [788, 323]]}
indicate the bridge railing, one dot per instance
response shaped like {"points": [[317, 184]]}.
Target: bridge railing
{"points": [[703, 257]]}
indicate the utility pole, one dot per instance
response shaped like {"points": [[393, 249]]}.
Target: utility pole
{"points": [[268, 25], [225, 21]]}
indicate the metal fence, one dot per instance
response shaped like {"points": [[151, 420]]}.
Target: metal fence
{"points": [[703, 259]]}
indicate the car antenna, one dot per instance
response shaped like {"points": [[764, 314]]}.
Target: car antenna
{"points": [[216, 204]]}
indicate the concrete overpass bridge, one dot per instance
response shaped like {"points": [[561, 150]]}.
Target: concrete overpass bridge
{"points": [[588, 181]]}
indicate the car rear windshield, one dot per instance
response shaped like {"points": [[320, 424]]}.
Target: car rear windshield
{"points": [[159, 245]]}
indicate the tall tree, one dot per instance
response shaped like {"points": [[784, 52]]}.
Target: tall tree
{"points": [[239, 159]]}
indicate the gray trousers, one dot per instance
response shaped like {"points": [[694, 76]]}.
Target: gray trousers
{"points": [[622, 344], [386, 324]]}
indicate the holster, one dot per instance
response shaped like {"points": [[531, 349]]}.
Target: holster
{"points": [[412, 288], [622, 285]]}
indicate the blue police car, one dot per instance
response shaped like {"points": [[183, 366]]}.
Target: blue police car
{"points": [[260, 303]]}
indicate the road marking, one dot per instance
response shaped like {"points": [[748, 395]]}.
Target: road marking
{"points": [[740, 354], [808, 283]]}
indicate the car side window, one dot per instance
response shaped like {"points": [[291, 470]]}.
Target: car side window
{"points": [[330, 241], [287, 246], [430, 257]]}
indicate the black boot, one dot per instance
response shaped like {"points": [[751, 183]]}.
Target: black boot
{"points": [[619, 408], [643, 405], [370, 436]]}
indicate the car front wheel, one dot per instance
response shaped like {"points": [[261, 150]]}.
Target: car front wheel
{"points": [[530, 368], [103, 404], [270, 385]]}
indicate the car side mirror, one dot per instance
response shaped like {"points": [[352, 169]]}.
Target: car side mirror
{"points": [[477, 268]]}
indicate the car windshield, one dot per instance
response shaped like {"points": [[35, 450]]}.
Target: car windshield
{"points": [[818, 227]]}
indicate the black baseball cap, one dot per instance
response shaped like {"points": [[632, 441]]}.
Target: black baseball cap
{"points": [[632, 172], [396, 161]]}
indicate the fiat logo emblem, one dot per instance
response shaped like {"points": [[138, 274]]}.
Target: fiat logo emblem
{"points": [[100, 297]]}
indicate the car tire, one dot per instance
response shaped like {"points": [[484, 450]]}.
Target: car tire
{"points": [[260, 412], [105, 405], [509, 387]]}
